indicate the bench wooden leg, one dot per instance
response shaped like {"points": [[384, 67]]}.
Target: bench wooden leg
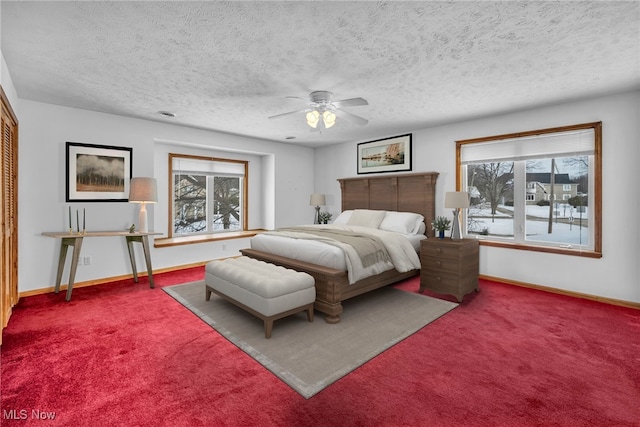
{"points": [[268, 327], [268, 320]]}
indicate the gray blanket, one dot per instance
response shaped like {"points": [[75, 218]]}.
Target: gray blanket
{"points": [[370, 249]]}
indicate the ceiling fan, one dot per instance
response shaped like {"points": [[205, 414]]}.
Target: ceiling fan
{"points": [[321, 112]]}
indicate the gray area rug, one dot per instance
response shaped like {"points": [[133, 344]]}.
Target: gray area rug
{"points": [[309, 356]]}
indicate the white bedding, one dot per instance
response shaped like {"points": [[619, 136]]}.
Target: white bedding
{"points": [[402, 249]]}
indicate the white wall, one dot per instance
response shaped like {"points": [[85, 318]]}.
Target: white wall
{"points": [[7, 84], [280, 177], [285, 181], [617, 274]]}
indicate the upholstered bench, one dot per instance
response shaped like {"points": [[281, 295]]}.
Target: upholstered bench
{"points": [[265, 290]]}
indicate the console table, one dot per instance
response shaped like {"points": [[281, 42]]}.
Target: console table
{"points": [[75, 240]]}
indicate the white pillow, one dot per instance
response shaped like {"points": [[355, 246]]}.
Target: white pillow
{"points": [[343, 218], [402, 222], [366, 218]]}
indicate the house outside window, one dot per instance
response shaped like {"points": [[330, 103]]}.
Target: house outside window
{"points": [[537, 190], [208, 195]]}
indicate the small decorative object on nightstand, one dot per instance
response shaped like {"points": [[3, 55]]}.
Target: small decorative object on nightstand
{"points": [[449, 266], [441, 224], [325, 217]]}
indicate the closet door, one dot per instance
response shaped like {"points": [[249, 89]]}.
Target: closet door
{"points": [[9, 212]]}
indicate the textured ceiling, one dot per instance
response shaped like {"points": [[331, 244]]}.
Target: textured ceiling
{"points": [[227, 66]]}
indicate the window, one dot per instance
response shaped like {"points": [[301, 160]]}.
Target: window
{"points": [[208, 195], [537, 190]]}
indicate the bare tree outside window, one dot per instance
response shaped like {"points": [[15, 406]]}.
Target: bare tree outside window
{"points": [[190, 201], [226, 205], [536, 190]]}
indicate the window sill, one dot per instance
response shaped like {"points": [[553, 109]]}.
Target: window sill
{"points": [[547, 249], [203, 238]]}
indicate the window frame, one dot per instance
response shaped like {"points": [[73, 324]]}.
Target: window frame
{"points": [[244, 203], [596, 252]]}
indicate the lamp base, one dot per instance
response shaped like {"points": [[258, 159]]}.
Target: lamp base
{"points": [[456, 233], [142, 219], [317, 218]]}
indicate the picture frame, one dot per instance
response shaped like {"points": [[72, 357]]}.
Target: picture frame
{"points": [[97, 173], [385, 155]]}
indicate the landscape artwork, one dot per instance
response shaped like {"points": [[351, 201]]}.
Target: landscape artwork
{"points": [[385, 155], [97, 173]]}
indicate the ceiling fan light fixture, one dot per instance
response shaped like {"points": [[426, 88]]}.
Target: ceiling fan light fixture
{"points": [[329, 118], [322, 112], [312, 118]]}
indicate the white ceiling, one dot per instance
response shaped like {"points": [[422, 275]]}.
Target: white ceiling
{"points": [[227, 66]]}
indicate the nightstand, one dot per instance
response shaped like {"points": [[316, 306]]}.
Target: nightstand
{"points": [[449, 266]]}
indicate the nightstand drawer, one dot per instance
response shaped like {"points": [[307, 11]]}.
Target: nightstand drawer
{"points": [[440, 266], [440, 251], [440, 280]]}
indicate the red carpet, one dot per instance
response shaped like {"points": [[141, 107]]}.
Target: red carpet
{"points": [[122, 354]]}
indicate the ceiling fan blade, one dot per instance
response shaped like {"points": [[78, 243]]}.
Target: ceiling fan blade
{"points": [[351, 117], [286, 114], [352, 102], [297, 97]]}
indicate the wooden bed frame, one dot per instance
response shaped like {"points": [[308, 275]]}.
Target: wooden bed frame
{"points": [[413, 192]]}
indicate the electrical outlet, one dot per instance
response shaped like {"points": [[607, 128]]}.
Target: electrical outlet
{"points": [[87, 260], [80, 260]]}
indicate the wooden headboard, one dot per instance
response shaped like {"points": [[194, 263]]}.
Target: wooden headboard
{"points": [[412, 192]]}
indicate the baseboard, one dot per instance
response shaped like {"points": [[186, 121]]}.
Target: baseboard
{"points": [[63, 287], [605, 300]]}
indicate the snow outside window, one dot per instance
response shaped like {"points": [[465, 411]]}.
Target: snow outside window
{"points": [[517, 182]]}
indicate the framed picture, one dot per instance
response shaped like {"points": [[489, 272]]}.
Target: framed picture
{"points": [[98, 173], [385, 155]]}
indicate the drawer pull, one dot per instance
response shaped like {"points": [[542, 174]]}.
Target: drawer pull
{"points": [[439, 279], [438, 263], [439, 250]]}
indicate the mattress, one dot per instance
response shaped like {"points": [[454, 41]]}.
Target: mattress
{"points": [[316, 252]]}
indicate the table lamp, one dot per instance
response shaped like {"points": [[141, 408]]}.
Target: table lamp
{"points": [[317, 200], [143, 191], [456, 200]]}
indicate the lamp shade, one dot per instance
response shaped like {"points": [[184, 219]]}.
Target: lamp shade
{"points": [[456, 199], [143, 190], [317, 200]]}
